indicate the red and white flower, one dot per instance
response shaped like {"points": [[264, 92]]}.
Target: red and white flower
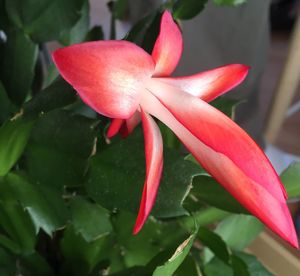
{"points": [[120, 80]]}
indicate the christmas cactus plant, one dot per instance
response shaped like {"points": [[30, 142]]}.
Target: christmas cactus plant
{"points": [[85, 189]]}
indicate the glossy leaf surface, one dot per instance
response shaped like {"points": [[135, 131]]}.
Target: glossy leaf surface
{"points": [[187, 9], [214, 243], [44, 206], [207, 190], [92, 226], [117, 182], [36, 17], [177, 258], [238, 231], [59, 148], [291, 179], [14, 136], [17, 68], [6, 107], [58, 94], [229, 2]]}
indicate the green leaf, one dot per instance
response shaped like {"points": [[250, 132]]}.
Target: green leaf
{"points": [[207, 190], [53, 168], [238, 231], [229, 2], [177, 258], [7, 262], [17, 225], [120, 9], [175, 185], [215, 243], [34, 265], [60, 146], [51, 76], [227, 106], [78, 32], [188, 267], [291, 179], [136, 271], [138, 250], [93, 226], [169, 138], [138, 30], [44, 20], [187, 9], [4, 22], [45, 207], [96, 33], [203, 217], [17, 68], [151, 32], [59, 129], [116, 178], [239, 266], [13, 139], [6, 107], [58, 94], [9, 244], [217, 268], [80, 256], [254, 267]]}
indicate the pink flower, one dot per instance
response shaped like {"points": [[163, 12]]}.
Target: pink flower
{"points": [[120, 80]]}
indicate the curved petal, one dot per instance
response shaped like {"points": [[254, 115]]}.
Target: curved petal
{"points": [[254, 196], [130, 124], [220, 133], [108, 75], [154, 164], [114, 127], [168, 47], [210, 84]]}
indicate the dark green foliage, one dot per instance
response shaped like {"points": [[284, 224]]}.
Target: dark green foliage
{"points": [[14, 135], [291, 179], [57, 95], [107, 178], [6, 107], [207, 190], [44, 20], [64, 142], [17, 66], [229, 2], [78, 32], [120, 9], [187, 9]]}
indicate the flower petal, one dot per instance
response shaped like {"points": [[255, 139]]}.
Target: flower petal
{"points": [[114, 127], [130, 124], [210, 84], [254, 196], [108, 75], [125, 127], [220, 133], [154, 164], [168, 46]]}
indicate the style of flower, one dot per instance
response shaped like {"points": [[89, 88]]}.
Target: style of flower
{"points": [[120, 80]]}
